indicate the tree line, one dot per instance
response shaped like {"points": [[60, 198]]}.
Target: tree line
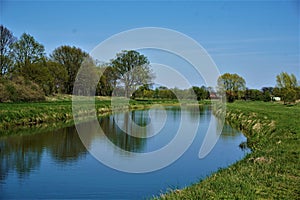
{"points": [[28, 74], [234, 86]]}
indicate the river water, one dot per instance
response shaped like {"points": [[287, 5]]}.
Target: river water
{"points": [[56, 165]]}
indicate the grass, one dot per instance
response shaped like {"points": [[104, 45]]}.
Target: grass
{"points": [[57, 110], [271, 171]]}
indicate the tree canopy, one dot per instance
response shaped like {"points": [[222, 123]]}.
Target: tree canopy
{"points": [[71, 59], [6, 41], [288, 87], [27, 51], [26, 69], [232, 84], [132, 70]]}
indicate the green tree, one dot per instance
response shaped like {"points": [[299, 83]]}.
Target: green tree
{"points": [[201, 92], [232, 84], [27, 51], [6, 41], [143, 91], [107, 82], [87, 78], [253, 95], [289, 95], [71, 59], [39, 74], [59, 76], [266, 96], [267, 92], [287, 85], [284, 80], [132, 70]]}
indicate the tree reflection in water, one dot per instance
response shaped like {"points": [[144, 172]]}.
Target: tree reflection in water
{"points": [[23, 153], [121, 138]]}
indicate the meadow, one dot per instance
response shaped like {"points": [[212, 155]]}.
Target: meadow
{"points": [[271, 171]]}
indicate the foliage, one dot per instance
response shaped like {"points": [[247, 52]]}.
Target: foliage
{"points": [[194, 93], [289, 95], [107, 82], [27, 51], [59, 76], [71, 59], [143, 91], [19, 90], [266, 96], [86, 79], [232, 84], [201, 92], [253, 95], [287, 85], [6, 41], [39, 74], [284, 80], [132, 70], [127, 74]]}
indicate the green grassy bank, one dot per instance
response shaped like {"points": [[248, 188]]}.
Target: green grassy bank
{"points": [[57, 112], [271, 171]]}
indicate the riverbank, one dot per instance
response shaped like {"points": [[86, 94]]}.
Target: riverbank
{"points": [[57, 112], [271, 171]]}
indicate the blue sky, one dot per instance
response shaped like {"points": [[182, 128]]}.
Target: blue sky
{"points": [[257, 40]]}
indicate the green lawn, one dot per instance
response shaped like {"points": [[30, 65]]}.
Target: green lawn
{"points": [[271, 171]]}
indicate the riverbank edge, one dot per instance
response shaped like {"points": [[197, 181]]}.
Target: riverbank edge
{"points": [[257, 176], [62, 116]]}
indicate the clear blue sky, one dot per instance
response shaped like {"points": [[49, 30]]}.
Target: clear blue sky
{"points": [[257, 40]]}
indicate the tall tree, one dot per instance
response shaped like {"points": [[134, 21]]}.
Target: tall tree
{"points": [[71, 58], [87, 78], [232, 84], [27, 51], [287, 85], [107, 82], [6, 40], [132, 70], [59, 75], [284, 80]]}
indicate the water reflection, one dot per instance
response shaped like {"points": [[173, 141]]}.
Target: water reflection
{"points": [[22, 154], [120, 138]]}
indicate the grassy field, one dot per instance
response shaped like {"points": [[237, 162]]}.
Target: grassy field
{"points": [[271, 171]]}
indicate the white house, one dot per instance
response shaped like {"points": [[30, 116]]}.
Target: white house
{"points": [[276, 98]]}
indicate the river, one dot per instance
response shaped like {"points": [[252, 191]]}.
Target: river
{"points": [[56, 165]]}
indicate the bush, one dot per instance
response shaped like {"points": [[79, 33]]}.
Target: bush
{"points": [[20, 90]]}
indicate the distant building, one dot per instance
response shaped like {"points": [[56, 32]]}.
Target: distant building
{"points": [[276, 99], [213, 95]]}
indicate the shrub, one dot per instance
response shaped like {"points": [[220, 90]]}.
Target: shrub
{"points": [[20, 90]]}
